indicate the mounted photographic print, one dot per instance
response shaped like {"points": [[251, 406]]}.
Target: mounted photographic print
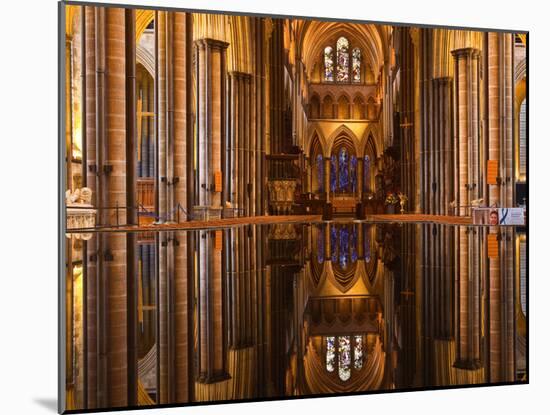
{"points": [[259, 207]]}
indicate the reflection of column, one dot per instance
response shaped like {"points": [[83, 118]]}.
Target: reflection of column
{"points": [[211, 115], [115, 99], [499, 95], [467, 125], [91, 270], [468, 354], [212, 365]]}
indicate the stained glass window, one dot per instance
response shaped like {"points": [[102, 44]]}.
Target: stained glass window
{"points": [[344, 358], [342, 64], [353, 174], [329, 64], [353, 243], [343, 249], [366, 240], [333, 243], [333, 173], [331, 354], [320, 245], [358, 352], [320, 173], [343, 168], [356, 65]]}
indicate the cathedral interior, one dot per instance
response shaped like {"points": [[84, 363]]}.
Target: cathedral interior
{"points": [[264, 207]]}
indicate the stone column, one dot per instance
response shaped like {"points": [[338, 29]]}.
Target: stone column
{"points": [[183, 135], [468, 353], [466, 126], [240, 140], [211, 116], [499, 96], [115, 183], [92, 269]]}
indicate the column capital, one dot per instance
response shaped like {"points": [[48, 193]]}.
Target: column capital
{"points": [[240, 75], [463, 52], [212, 43]]}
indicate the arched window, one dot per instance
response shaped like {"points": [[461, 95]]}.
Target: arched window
{"points": [[356, 65], [329, 64], [343, 171], [343, 351], [342, 63], [344, 71], [320, 173]]}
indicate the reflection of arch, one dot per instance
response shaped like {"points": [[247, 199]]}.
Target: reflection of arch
{"points": [[328, 107], [343, 107], [358, 108], [314, 106], [319, 381]]}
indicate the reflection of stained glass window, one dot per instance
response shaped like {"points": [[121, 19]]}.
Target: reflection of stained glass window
{"points": [[320, 173], [358, 353], [333, 173], [344, 358], [353, 174], [367, 243], [356, 65], [333, 243], [367, 173], [331, 354], [343, 249], [353, 243], [329, 65], [320, 245], [342, 64]]}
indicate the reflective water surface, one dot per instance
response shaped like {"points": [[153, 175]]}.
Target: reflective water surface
{"points": [[292, 310]]}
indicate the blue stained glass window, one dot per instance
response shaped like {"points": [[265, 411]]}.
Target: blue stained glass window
{"points": [[343, 172], [320, 173], [333, 173], [367, 173], [366, 240], [353, 174], [353, 243], [343, 249], [320, 245], [333, 244]]}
